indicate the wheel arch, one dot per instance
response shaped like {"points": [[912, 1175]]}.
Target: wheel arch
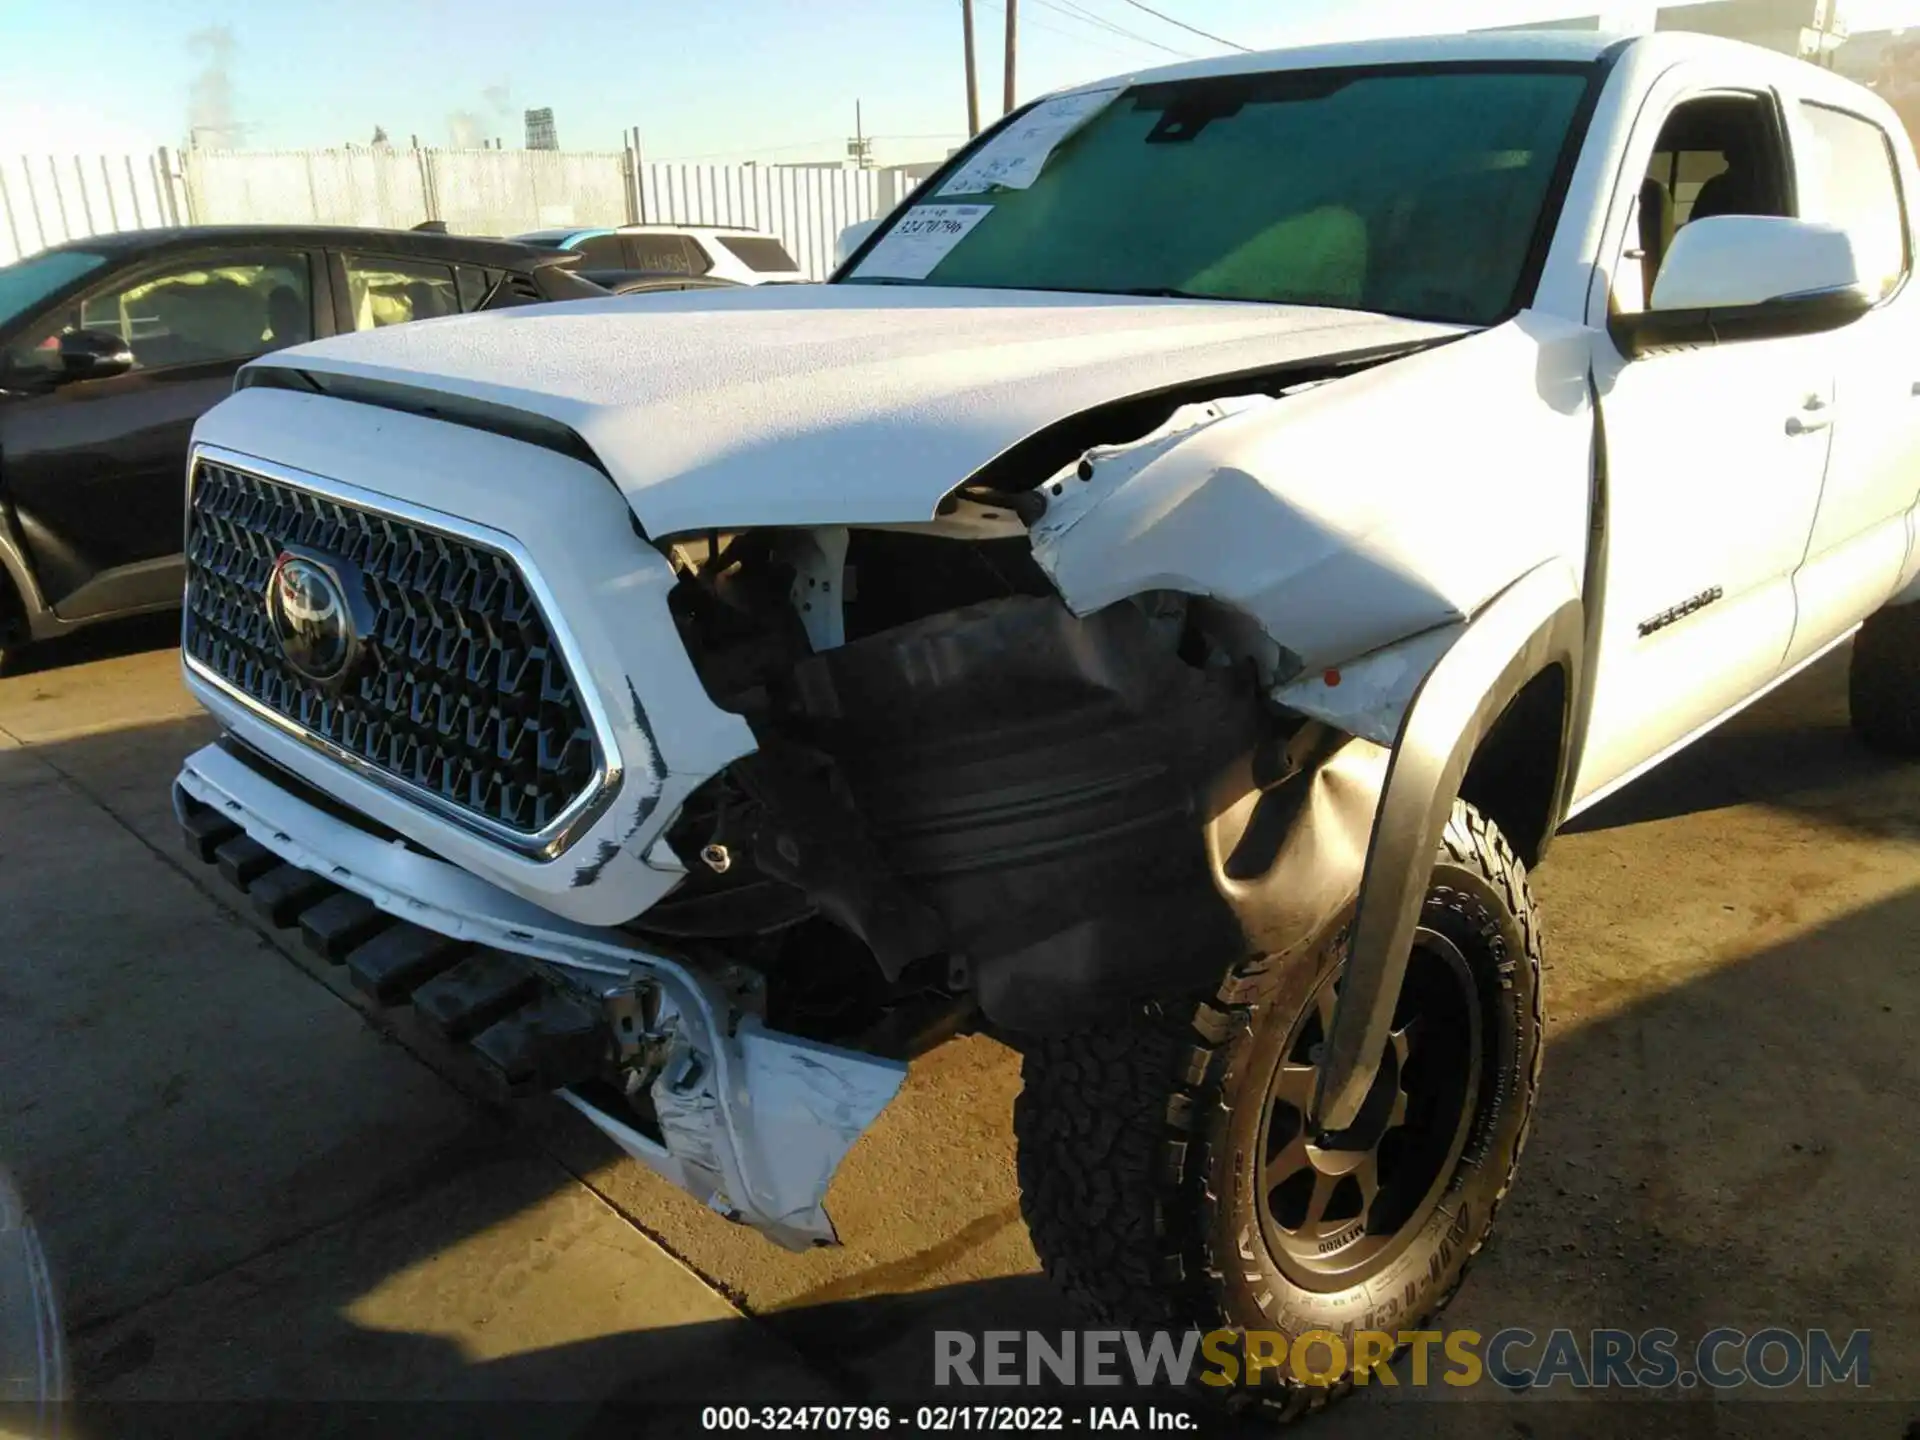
{"points": [[1517, 774], [1522, 656]]}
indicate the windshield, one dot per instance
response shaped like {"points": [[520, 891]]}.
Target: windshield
{"points": [[1410, 191], [25, 284]]}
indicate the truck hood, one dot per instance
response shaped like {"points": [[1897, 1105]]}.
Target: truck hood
{"points": [[829, 404]]}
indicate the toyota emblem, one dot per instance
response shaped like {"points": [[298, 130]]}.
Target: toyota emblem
{"points": [[311, 617]]}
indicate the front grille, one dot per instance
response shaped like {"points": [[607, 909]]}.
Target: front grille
{"points": [[464, 693]]}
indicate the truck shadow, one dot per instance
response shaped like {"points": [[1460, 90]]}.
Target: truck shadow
{"points": [[158, 631], [1735, 1151], [1793, 751]]}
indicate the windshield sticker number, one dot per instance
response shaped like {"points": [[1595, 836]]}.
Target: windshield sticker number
{"points": [[1014, 158], [921, 240]]}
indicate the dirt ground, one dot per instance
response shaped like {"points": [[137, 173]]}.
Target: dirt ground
{"points": [[255, 1188]]}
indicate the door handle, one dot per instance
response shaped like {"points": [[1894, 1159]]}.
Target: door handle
{"points": [[1814, 407]]}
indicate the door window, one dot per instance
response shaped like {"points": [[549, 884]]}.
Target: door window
{"points": [[665, 255], [474, 284], [600, 252], [392, 292], [760, 253], [189, 313], [1848, 179], [1718, 155]]}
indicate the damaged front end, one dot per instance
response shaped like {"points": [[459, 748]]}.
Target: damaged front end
{"points": [[1050, 754], [995, 815], [972, 802]]}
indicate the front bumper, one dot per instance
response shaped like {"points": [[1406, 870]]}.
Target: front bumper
{"points": [[602, 590], [749, 1120]]}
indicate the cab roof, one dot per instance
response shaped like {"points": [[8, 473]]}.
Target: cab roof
{"points": [[1496, 46]]}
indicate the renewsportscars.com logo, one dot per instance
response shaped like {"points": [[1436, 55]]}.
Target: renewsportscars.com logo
{"points": [[1515, 1359]]}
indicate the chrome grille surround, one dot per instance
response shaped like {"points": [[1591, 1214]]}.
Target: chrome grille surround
{"points": [[469, 705]]}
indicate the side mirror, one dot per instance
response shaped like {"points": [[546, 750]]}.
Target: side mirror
{"points": [[93, 355], [851, 239], [1747, 277]]}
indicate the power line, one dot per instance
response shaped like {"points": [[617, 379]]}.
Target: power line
{"points": [[1077, 35], [1203, 34], [1077, 12]]}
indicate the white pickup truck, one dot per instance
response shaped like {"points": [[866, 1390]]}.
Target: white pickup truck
{"points": [[1152, 605]]}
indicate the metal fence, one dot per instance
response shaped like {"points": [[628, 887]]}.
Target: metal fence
{"points": [[46, 200]]}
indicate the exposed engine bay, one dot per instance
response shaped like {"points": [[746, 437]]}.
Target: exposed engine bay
{"points": [[969, 805]]}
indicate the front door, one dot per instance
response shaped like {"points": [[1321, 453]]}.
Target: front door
{"points": [[96, 468], [1715, 458]]}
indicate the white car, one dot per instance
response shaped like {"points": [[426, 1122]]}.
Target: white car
{"points": [[1154, 604], [731, 254]]}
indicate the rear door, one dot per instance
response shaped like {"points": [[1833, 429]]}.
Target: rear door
{"points": [[1850, 176], [95, 468]]}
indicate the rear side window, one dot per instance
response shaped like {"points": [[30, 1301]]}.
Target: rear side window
{"points": [[392, 292], [474, 285], [761, 254], [1848, 179], [600, 252], [665, 255]]}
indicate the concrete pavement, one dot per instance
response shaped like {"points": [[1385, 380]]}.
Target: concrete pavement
{"points": [[255, 1187]]}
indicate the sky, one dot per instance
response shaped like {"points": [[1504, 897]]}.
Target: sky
{"points": [[716, 80]]}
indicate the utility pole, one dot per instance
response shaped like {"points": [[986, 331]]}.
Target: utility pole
{"points": [[1012, 6], [860, 148], [973, 86]]}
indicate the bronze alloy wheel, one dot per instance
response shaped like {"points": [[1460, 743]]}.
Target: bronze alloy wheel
{"points": [[1337, 1209]]}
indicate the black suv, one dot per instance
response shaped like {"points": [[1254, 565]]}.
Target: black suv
{"points": [[111, 348]]}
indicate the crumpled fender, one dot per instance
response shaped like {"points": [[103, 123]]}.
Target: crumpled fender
{"points": [[1354, 513]]}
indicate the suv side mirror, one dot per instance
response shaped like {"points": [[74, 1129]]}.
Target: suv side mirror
{"points": [[1747, 277], [93, 355]]}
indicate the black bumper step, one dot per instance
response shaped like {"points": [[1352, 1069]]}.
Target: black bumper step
{"points": [[396, 962], [244, 860], [551, 1042], [282, 895], [206, 830], [528, 1033], [341, 924], [481, 989]]}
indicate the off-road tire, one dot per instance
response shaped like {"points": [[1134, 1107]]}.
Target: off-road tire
{"points": [[1128, 1137], [1883, 683]]}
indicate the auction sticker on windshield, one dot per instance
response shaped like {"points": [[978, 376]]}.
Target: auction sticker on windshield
{"points": [[921, 240], [1013, 159]]}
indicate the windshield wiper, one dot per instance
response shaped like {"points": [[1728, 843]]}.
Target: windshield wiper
{"points": [[1169, 292]]}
